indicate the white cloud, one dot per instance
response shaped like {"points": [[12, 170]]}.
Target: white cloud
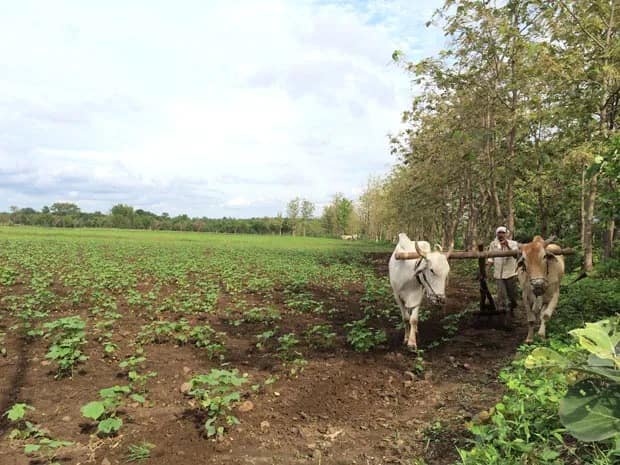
{"points": [[210, 108]]}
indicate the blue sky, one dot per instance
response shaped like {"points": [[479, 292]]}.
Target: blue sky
{"points": [[211, 108]]}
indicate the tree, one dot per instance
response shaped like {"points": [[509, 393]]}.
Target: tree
{"points": [[337, 215], [307, 210], [122, 216], [292, 213], [64, 209]]}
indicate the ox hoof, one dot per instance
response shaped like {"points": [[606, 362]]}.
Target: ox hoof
{"points": [[529, 340], [412, 347]]}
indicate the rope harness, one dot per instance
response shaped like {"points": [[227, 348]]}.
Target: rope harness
{"points": [[423, 281]]}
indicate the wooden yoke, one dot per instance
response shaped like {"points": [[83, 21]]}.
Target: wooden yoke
{"points": [[479, 254]]}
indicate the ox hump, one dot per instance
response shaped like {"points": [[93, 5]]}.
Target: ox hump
{"points": [[407, 245]]}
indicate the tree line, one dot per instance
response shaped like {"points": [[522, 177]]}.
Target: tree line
{"points": [[515, 123], [338, 218]]}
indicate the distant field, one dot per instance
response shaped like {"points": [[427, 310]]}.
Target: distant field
{"points": [[207, 239], [118, 337]]}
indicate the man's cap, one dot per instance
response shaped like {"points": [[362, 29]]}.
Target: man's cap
{"points": [[501, 229]]}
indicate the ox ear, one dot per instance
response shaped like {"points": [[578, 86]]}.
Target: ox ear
{"points": [[438, 248], [521, 262]]}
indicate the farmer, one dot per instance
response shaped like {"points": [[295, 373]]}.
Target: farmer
{"points": [[504, 270]]}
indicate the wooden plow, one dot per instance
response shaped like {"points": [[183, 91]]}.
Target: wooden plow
{"points": [[487, 303]]}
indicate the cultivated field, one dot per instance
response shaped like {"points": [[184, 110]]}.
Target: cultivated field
{"points": [[229, 349]]}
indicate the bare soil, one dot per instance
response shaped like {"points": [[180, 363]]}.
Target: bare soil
{"points": [[344, 408]]}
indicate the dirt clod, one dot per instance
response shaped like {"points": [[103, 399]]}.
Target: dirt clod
{"points": [[246, 406]]}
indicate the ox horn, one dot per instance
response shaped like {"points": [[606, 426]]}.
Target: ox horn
{"points": [[549, 240], [417, 249]]}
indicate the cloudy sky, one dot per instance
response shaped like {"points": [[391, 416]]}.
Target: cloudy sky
{"points": [[203, 107]]}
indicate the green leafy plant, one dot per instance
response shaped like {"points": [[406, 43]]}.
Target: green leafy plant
{"points": [[286, 344], [362, 338], [265, 315], [217, 394], [137, 379], [320, 336], [264, 337], [68, 336], [590, 410], [40, 445], [182, 332], [46, 449], [104, 411]]}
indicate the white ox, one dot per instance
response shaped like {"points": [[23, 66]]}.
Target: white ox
{"points": [[412, 279], [540, 273]]}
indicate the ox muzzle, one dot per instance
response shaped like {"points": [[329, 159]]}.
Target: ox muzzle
{"points": [[539, 286], [437, 300]]}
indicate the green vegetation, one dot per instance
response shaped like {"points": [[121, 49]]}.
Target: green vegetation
{"points": [[515, 122], [362, 338], [104, 411], [37, 441], [590, 410], [217, 395], [545, 416], [139, 452], [68, 336]]}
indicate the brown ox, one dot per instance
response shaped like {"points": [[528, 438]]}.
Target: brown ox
{"points": [[540, 273]]}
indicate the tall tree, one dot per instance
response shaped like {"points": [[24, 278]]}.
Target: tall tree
{"points": [[307, 210], [292, 213]]}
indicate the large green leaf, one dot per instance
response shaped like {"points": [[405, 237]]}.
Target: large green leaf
{"points": [[545, 357], [596, 339], [590, 411], [18, 411], [110, 425], [31, 448], [93, 410]]}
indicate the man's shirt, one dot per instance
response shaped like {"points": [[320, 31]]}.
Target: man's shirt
{"points": [[504, 267]]}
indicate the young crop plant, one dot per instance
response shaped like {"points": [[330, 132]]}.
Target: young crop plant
{"points": [[265, 336], [202, 336], [68, 336], [266, 315], [217, 394], [320, 336], [286, 346], [139, 452], [303, 302], [38, 442], [8, 276], [104, 411], [137, 380], [362, 338], [23, 428], [296, 366]]}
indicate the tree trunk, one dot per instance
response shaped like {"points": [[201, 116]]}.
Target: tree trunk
{"points": [[608, 247], [588, 233], [542, 211], [488, 126], [510, 208], [583, 206]]}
